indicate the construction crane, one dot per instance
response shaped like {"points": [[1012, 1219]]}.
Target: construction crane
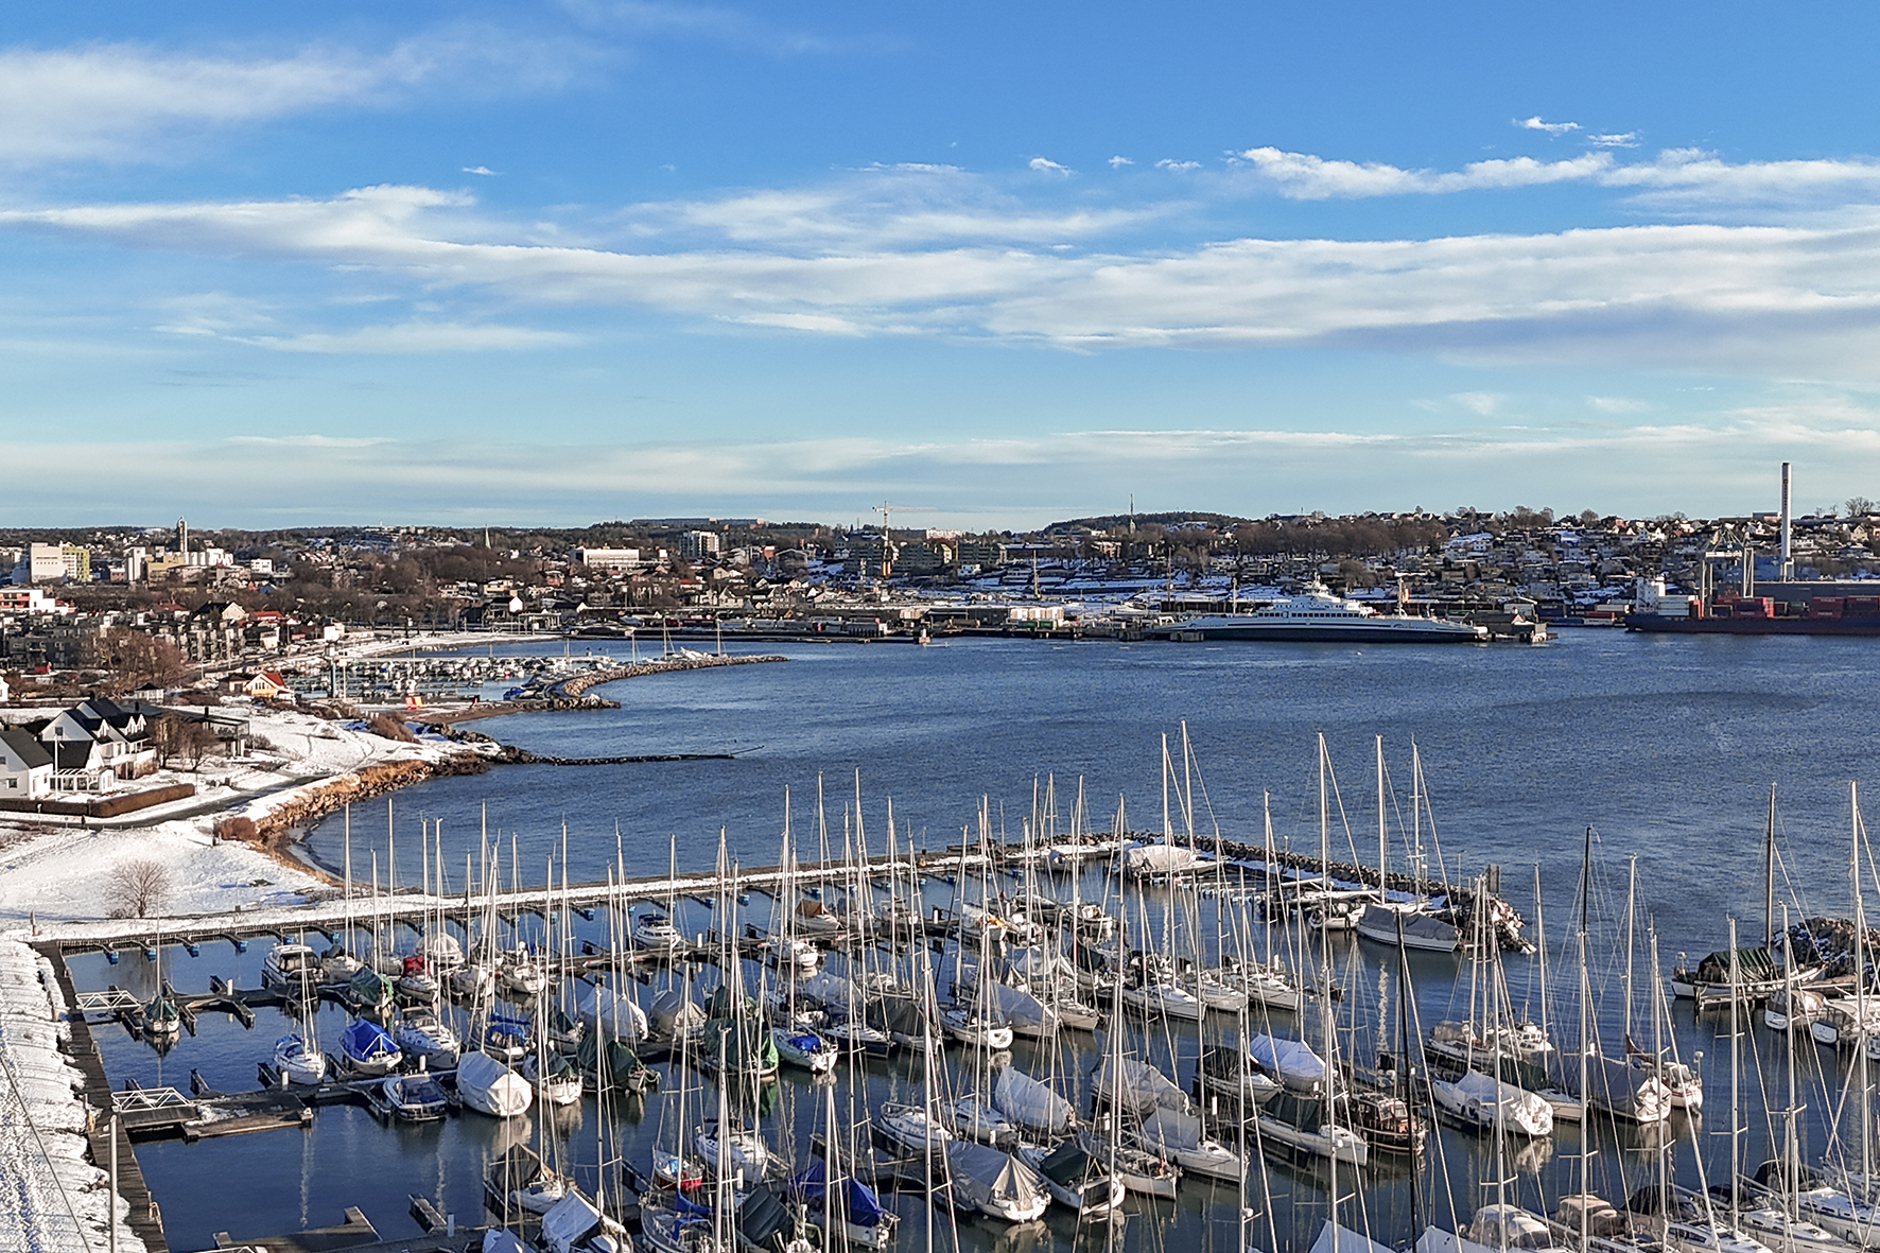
{"points": [[887, 537]]}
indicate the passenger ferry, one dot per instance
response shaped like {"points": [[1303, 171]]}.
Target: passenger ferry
{"points": [[1316, 615]]}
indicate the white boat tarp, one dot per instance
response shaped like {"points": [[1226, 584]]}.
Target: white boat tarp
{"points": [[1159, 859], [1516, 1106], [604, 1009], [673, 1015], [1436, 1240], [830, 990], [1291, 1061], [1336, 1239], [1143, 1086], [982, 1173], [1019, 1007], [1030, 965], [1030, 1104], [571, 1219], [1170, 1130]]}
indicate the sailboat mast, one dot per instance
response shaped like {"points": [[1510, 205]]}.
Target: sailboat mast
{"points": [[1769, 874]]}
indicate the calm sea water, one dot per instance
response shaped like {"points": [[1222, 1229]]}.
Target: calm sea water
{"points": [[1667, 748]]}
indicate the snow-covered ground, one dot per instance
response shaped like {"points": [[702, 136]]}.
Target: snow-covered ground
{"points": [[55, 869], [52, 1199]]}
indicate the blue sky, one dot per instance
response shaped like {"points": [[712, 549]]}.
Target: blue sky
{"points": [[996, 263]]}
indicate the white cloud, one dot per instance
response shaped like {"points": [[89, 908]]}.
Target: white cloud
{"points": [[1626, 139], [114, 101], [1483, 403], [1801, 301], [1302, 176], [1169, 163], [1045, 165], [1552, 128], [1117, 163], [1618, 404], [414, 337], [481, 170]]}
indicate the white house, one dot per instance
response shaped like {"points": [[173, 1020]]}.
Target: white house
{"points": [[98, 737], [25, 765]]}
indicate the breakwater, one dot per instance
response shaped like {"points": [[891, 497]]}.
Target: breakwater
{"points": [[580, 683]]}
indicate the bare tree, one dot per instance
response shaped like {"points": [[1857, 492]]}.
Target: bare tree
{"points": [[1859, 507], [174, 735], [138, 888]]}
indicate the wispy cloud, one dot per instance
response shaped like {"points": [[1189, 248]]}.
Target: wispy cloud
{"points": [[1169, 163], [1618, 404], [1552, 128], [1044, 165], [483, 171], [1303, 176], [1626, 139], [1729, 298], [415, 337], [1117, 163], [1483, 403], [716, 23], [110, 101]]}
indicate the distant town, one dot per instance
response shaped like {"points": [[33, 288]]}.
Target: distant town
{"points": [[134, 602]]}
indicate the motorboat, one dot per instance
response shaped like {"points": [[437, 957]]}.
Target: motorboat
{"points": [[1163, 999], [655, 933], [506, 1036], [1413, 926], [408, 1098], [292, 969], [1793, 1006]]}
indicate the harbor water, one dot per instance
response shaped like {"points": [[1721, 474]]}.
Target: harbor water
{"points": [[1665, 747]]}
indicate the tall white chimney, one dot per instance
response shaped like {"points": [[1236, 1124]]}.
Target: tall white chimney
{"points": [[1787, 570]]}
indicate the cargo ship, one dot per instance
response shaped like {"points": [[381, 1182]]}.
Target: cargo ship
{"points": [[1735, 614]]}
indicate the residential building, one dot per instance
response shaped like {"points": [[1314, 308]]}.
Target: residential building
{"points": [[25, 765], [698, 545], [609, 558], [98, 739]]}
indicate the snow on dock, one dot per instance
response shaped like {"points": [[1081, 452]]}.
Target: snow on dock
{"points": [[52, 1198]]}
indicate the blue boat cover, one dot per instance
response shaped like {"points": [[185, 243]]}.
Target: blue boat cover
{"points": [[864, 1206], [365, 1040]]}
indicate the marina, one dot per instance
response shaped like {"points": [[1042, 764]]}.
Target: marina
{"points": [[1201, 915]]}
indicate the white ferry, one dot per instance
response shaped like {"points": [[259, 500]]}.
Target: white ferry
{"points": [[1318, 616]]}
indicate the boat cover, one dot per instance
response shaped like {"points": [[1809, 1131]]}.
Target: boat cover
{"points": [[861, 1202], [1336, 1239], [831, 991], [1292, 1061], [1519, 1105], [1030, 1104], [1436, 1240], [673, 1015], [1068, 1165], [1164, 1130], [1159, 859], [604, 1009], [366, 1041], [568, 1222], [1143, 1086], [1019, 1007], [981, 1173]]}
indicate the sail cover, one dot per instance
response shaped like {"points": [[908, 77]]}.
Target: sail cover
{"points": [[1030, 1104], [1143, 1086], [982, 1174], [604, 1009], [1336, 1239], [1292, 1061], [1170, 1130]]}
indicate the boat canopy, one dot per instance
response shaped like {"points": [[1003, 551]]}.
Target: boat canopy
{"points": [[831, 991], [364, 1040], [571, 1219], [1334, 1238], [981, 1172], [604, 1009], [1170, 1129], [1143, 1086], [1030, 1104], [1292, 1062], [1753, 965], [860, 1201]]}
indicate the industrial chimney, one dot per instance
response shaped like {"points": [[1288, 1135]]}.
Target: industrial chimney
{"points": [[182, 537], [1786, 570]]}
